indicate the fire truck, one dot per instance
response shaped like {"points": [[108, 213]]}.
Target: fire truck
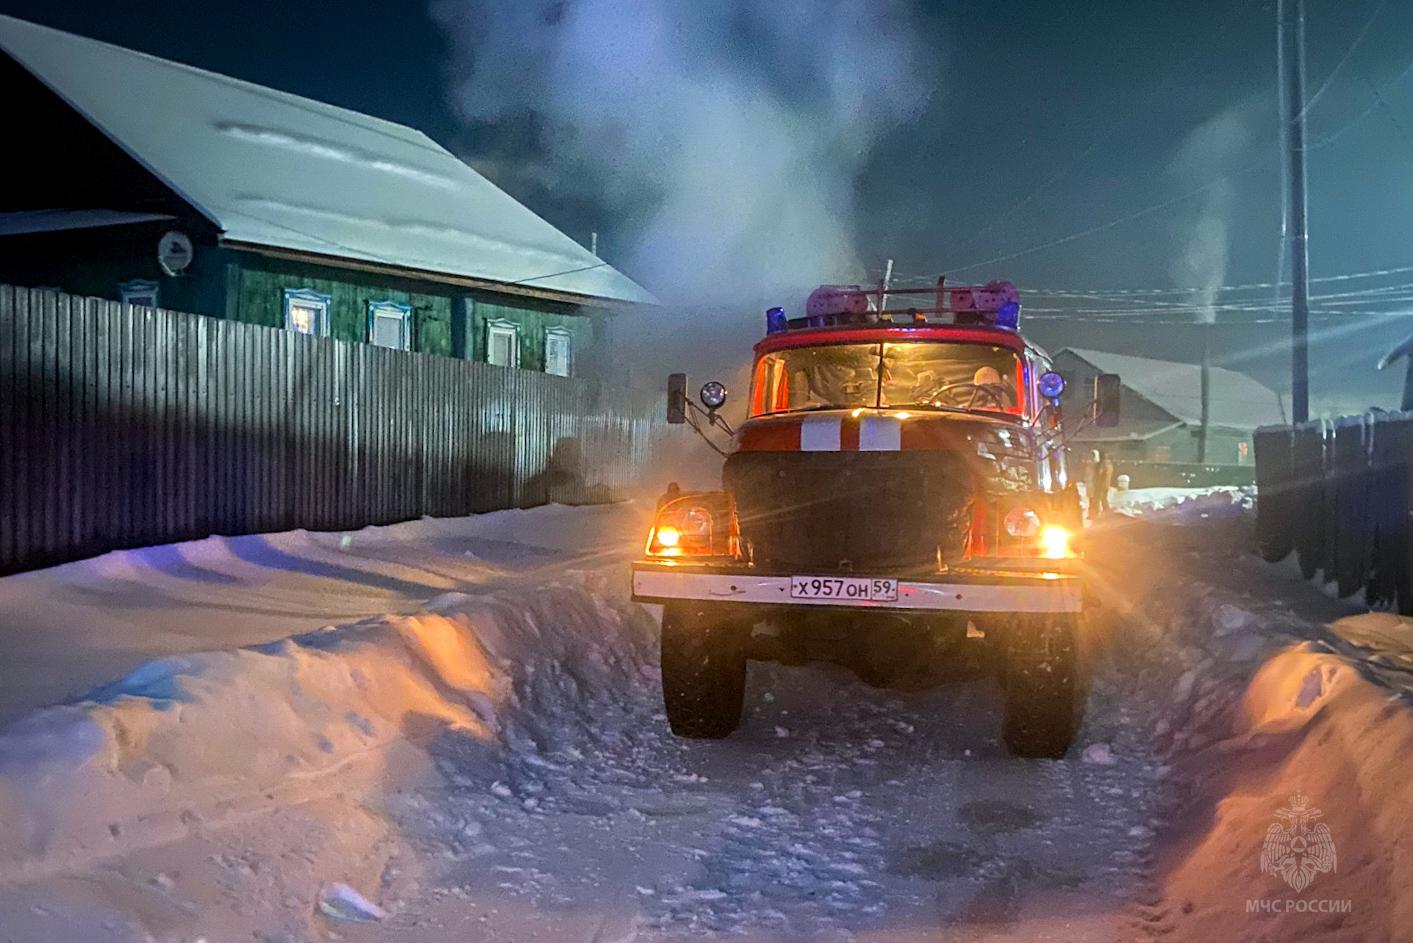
{"points": [[898, 492]]}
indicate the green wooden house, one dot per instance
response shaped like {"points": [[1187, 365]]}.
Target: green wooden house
{"points": [[157, 183]]}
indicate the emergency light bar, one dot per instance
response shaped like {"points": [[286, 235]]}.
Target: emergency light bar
{"points": [[995, 303]]}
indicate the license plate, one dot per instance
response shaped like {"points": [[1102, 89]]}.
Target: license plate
{"points": [[844, 588]]}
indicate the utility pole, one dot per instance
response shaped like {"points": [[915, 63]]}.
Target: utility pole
{"points": [[1206, 391], [594, 244], [1290, 34]]}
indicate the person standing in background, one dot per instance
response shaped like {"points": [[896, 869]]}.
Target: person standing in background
{"points": [[1101, 479]]}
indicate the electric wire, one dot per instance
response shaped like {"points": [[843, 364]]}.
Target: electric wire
{"points": [[1358, 38], [1112, 128]]}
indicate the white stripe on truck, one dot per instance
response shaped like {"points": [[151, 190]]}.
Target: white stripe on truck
{"points": [[820, 434], [880, 434]]}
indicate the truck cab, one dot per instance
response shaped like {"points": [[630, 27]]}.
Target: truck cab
{"points": [[899, 491]]}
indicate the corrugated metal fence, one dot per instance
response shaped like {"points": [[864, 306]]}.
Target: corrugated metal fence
{"points": [[1338, 496], [123, 426]]}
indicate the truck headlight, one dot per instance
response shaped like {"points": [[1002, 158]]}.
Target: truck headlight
{"points": [[1055, 542], [1021, 522], [696, 525]]}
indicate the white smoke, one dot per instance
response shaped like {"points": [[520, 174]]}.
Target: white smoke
{"points": [[727, 135], [1208, 153]]}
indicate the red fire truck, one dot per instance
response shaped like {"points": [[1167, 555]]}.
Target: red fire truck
{"points": [[899, 491]]}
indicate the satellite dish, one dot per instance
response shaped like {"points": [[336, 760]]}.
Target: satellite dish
{"points": [[174, 252]]}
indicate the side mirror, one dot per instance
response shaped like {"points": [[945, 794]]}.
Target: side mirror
{"points": [[713, 395], [1107, 394], [676, 398]]}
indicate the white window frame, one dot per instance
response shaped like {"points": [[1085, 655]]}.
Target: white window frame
{"points": [[560, 334], [308, 298], [140, 292], [384, 309], [499, 327]]}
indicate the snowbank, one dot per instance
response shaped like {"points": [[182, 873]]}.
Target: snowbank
{"points": [[70, 628], [203, 737], [1145, 502], [1256, 711]]}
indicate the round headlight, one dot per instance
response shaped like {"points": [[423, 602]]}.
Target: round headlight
{"points": [[1051, 384], [713, 394], [1022, 522], [696, 521]]}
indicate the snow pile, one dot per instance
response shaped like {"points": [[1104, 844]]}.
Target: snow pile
{"points": [[71, 628], [1256, 710], [1185, 502], [204, 737]]}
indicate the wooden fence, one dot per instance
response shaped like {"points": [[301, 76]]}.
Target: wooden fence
{"points": [[123, 426], [1337, 495]]}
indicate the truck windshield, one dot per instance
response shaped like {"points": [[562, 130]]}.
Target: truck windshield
{"points": [[926, 375]]}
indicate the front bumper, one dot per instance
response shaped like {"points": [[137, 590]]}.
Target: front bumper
{"points": [[993, 590]]}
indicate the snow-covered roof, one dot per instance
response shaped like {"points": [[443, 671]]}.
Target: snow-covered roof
{"points": [[1236, 401], [1127, 431], [276, 170], [28, 221]]}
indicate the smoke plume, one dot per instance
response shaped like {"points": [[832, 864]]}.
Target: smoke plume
{"points": [[722, 138], [1206, 154]]}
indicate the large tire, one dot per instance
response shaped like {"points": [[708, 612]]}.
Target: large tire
{"points": [[703, 670], [1043, 686]]}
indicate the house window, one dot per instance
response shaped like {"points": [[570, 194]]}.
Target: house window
{"points": [[307, 311], [558, 352], [139, 292], [390, 325], [502, 343]]}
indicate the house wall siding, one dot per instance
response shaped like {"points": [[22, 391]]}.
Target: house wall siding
{"points": [[259, 299], [532, 319], [249, 287], [95, 262]]}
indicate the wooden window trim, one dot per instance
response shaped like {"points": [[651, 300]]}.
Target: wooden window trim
{"points": [[496, 326], [310, 298], [376, 308], [568, 338], [131, 292]]}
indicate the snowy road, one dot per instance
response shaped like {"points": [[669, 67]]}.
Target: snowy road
{"points": [[497, 767], [837, 808]]}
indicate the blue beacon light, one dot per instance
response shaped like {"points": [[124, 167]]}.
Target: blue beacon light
{"points": [[775, 321], [1008, 315]]}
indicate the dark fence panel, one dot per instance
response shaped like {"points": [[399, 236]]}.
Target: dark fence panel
{"points": [[123, 426], [1340, 494]]}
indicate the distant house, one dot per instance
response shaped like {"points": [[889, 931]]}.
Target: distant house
{"points": [[1161, 417], [153, 182]]}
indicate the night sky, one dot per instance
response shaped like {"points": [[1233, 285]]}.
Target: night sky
{"points": [[1040, 122]]}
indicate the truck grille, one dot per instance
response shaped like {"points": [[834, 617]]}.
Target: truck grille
{"points": [[859, 511]]}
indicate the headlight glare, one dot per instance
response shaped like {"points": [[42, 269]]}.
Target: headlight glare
{"points": [[1055, 542]]}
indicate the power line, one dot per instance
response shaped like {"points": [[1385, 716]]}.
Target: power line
{"points": [[572, 271], [1327, 139], [1115, 222], [1112, 128], [1358, 38], [1346, 276]]}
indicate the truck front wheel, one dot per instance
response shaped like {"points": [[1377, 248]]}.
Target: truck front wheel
{"points": [[703, 669], [1043, 686]]}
